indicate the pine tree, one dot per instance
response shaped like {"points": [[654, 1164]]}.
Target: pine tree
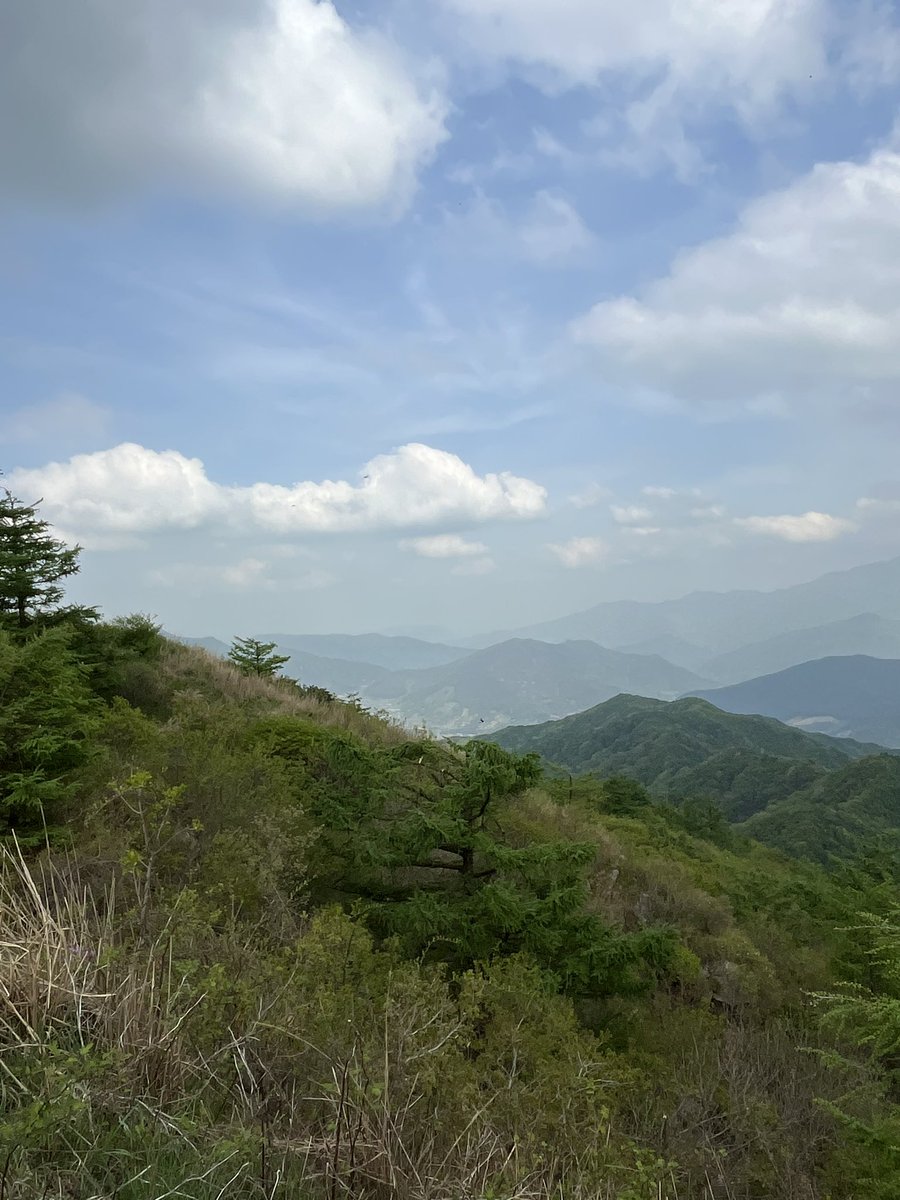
{"points": [[32, 565], [47, 713], [414, 835], [256, 658]]}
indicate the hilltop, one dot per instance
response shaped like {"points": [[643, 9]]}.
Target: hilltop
{"points": [[688, 747]]}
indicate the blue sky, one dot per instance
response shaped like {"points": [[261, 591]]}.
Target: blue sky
{"points": [[457, 315]]}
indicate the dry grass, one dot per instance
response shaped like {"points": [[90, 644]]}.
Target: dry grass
{"points": [[192, 666], [256, 1111]]}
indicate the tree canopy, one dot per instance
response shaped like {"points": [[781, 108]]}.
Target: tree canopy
{"points": [[33, 564], [254, 657]]}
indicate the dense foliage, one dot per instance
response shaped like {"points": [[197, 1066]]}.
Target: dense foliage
{"points": [[258, 942], [809, 795]]}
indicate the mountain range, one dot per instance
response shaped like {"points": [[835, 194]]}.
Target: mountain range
{"points": [[517, 680], [848, 696], [660, 650], [868, 633], [719, 622]]}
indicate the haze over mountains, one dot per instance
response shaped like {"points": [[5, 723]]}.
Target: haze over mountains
{"points": [[659, 650], [855, 696], [719, 622]]}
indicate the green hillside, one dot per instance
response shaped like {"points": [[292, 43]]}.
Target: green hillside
{"points": [[686, 747], [836, 813], [258, 942]]}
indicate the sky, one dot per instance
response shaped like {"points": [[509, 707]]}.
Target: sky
{"points": [[448, 317]]}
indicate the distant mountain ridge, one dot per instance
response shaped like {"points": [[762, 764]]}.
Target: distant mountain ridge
{"points": [[516, 680], [850, 695], [867, 633], [725, 621]]}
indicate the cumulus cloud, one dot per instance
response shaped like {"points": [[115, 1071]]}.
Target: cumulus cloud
{"points": [[580, 551], [801, 301], [131, 489], [278, 97], [672, 58], [807, 527], [444, 545]]}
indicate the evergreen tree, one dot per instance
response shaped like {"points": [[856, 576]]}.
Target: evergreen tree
{"points": [[415, 834], [256, 658], [47, 713], [32, 565]]}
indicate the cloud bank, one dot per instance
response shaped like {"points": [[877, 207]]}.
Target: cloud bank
{"points": [[130, 489]]}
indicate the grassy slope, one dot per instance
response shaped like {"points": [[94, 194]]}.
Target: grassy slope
{"points": [[183, 1025]]}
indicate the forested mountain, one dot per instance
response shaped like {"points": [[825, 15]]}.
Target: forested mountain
{"points": [[854, 696], [837, 813], [878, 637], [655, 737], [688, 748], [259, 942]]}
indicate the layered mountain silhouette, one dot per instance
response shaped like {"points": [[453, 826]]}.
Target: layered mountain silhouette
{"points": [[719, 622], [854, 695]]}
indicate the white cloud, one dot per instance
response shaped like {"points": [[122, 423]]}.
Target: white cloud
{"points": [[130, 489], [801, 301], [630, 514], [673, 57], [708, 512], [876, 505], [580, 551], [808, 527], [279, 97], [443, 545]]}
